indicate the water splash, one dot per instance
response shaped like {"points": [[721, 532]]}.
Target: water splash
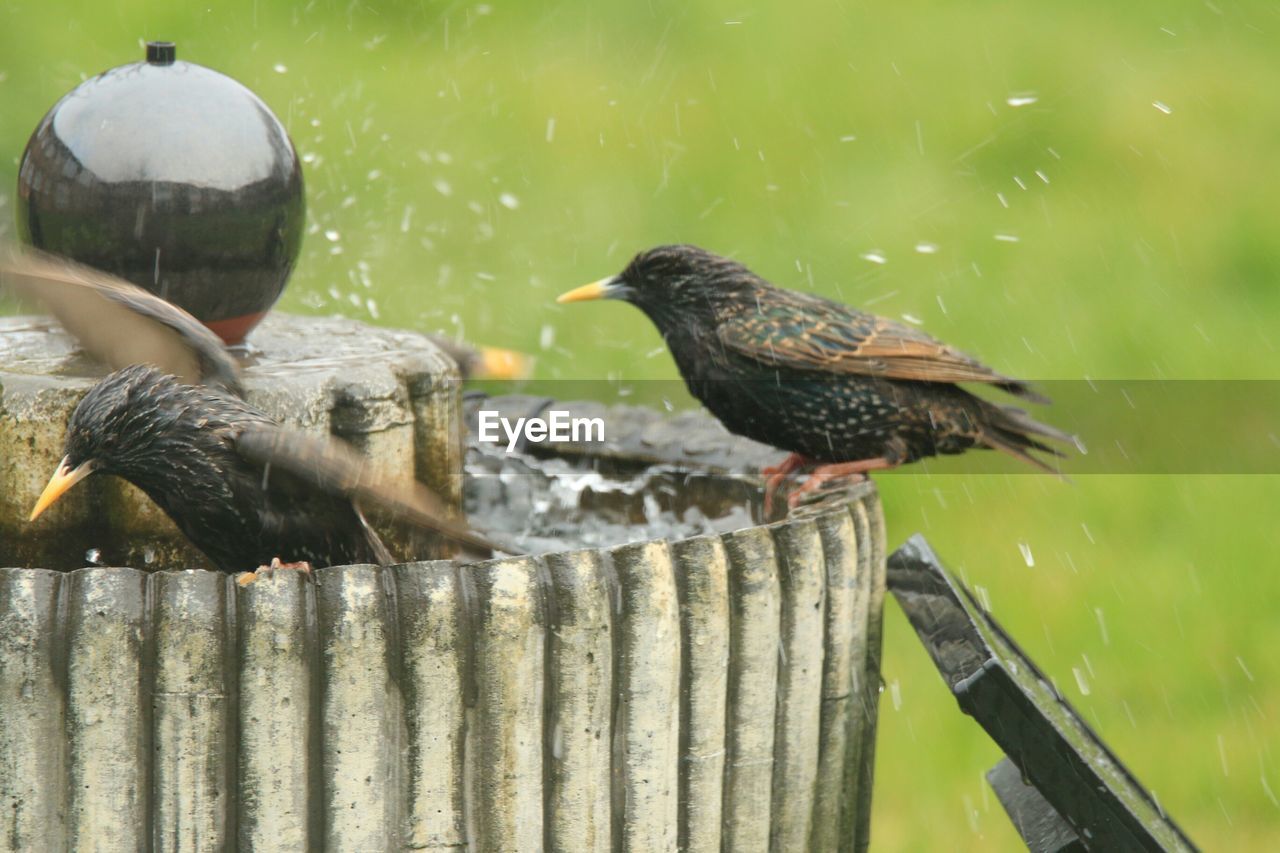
{"points": [[1081, 681], [1024, 549]]}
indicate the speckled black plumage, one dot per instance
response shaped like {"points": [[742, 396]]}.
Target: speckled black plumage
{"points": [[814, 376], [182, 445], [171, 420]]}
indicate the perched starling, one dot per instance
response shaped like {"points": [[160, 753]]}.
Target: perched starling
{"points": [[243, 489], [837, 387]]}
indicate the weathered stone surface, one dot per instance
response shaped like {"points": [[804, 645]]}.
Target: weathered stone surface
{"points": [[392, 394]]}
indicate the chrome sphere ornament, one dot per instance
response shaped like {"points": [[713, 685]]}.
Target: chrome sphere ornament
{"points": [[174, 177]]}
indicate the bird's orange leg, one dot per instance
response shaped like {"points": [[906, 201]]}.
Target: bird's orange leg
{"points": [[247, 578], [775, 474], [826, 473]]}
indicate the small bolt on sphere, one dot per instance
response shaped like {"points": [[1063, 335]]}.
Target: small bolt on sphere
{"points": [[161, 52]]}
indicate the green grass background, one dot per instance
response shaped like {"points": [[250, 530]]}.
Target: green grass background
{"points": [[465, 162]]}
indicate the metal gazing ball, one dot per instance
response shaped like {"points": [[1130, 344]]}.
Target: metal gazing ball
{"points": [[174, 177]]}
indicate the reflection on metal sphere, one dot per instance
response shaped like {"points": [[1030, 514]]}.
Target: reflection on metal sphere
{"points": [[175, 177]]}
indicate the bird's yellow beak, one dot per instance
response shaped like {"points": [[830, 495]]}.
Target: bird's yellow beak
{"points": [[602, 289], [498, 363], [62, 480]]}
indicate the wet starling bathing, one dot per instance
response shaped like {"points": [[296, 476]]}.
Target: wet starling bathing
{"points": [[243, 489], [845, 390]]}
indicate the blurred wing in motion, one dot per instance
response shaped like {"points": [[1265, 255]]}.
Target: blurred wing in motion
{"points": [[330, 466], [118, 322]]}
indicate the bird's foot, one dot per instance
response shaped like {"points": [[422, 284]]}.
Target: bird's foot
{"points": [[247, 578], [776, 474], [838, 471]]}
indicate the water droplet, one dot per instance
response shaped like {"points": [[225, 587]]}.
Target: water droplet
{"points": [[1024, 548], [1022, 99], [1270, 794], [280, 68], [1006, 238], [509, 201], [332, 235], [547, 337], [875, 256], [1080, 680], [895, 694], [1102, 626], [927, 248], [913, 319], [1243, 668], [1162, 107]]}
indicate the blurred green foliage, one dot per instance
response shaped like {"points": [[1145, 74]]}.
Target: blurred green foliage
{"points": [[468, 161]]}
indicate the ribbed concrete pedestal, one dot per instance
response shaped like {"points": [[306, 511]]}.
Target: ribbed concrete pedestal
{"points": [[392, 394], [705, 693], [714, 693]]}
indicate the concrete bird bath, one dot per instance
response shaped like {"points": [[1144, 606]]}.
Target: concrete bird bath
{"points": [[663, 672]]}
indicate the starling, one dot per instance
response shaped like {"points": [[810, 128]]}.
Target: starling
{"points": [[837, 387], [171, 420]]}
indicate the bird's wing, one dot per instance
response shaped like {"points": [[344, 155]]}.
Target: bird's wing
{"points": [[118, 322], [803, 332], [329, 465]]}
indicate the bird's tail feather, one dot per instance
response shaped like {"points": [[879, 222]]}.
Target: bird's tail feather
{"points": [[1013, 419], [1011, 430], [1018, 388]]}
